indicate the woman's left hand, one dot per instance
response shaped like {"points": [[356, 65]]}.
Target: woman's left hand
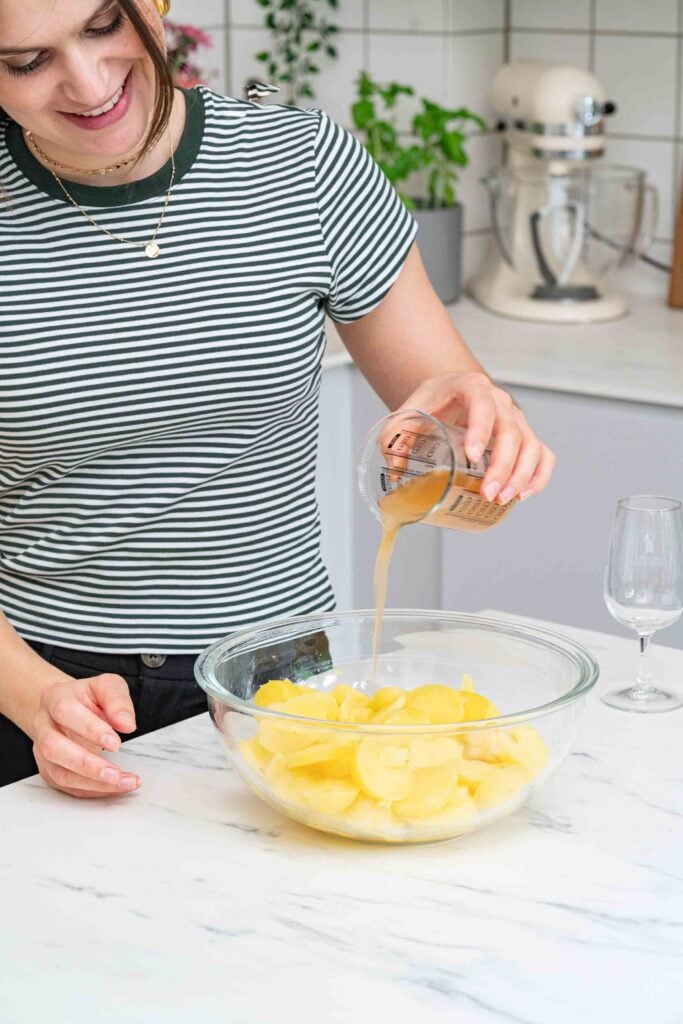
{"points": [[520, 464]]}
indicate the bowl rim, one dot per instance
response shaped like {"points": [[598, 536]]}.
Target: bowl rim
{"points": [[588, 668]]}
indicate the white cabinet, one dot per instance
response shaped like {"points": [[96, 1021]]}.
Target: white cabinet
{"points": [[546, 559]]}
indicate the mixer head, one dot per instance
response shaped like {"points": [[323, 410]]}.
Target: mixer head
{"points": [[551, 111]]}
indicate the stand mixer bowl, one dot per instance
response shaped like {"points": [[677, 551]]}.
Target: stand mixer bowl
{"points": [[564, 233]]}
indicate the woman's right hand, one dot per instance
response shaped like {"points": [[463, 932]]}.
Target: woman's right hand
{"points": [[73, 724]]}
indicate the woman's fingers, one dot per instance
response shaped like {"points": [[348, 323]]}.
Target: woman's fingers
{"points": [[519, 463], [504, 453], [76, 785], [73, 725], [113, 696], [71, 762], [539, 480], [64, 707]]}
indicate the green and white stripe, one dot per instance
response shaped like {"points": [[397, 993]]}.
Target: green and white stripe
{"points": [[158, 418]]}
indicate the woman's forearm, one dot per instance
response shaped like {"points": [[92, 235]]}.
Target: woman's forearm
{"points": [[24, 675]]}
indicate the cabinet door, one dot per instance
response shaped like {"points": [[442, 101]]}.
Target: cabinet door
{"points": [[336, 480], [547, 558]]}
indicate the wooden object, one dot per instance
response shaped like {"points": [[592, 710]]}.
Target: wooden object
{"points": [[676, 285]]}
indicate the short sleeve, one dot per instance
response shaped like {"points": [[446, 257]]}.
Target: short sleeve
{"points": [[366, 228]]}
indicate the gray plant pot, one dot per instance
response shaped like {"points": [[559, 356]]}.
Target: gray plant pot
{"points": [[438, 237]]}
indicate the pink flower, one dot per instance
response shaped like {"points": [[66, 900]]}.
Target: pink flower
{"points": [[200, 38]]}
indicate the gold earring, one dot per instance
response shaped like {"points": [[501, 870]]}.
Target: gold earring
{"points": [[163, 7]]}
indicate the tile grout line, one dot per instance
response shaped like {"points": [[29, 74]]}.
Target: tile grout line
{"points": [[227, 48], [591, 38], [366, 35], [507, 28], [619, 33]]}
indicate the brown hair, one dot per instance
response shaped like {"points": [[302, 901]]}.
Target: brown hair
{"points": [[164, 81]]}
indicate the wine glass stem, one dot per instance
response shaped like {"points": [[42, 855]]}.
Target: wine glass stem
{"points": [[643, 678]]}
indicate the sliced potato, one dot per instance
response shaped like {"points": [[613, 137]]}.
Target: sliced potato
{"points": [[493, 745], [477, 707], [387, 695], [255, 754], [276, 690], [441, 704], [430, 751], [501, 785], [323, 750], [531, 753], [432, 788], [380, 768], [281, 737], [330, 796]]}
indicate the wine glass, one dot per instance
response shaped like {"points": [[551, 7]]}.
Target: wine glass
{"points": [[644, 587]]}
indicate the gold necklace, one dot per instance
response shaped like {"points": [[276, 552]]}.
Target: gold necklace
{"points": [[76, 170], [151, 248]]}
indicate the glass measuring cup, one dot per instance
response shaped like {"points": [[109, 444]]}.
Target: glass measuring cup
{"points": [[410, 443]]}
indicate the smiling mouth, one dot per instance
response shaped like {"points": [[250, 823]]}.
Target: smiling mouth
{"points": [[97, 111]]}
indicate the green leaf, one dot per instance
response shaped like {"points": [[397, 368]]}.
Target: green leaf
{"points": [[449, 195], [312, 47], [363, 113], [452, 148], [262, 56], [332, 52], [364, 85]]}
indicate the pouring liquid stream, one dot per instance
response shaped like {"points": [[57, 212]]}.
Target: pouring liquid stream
{"points": [[406, 504]]}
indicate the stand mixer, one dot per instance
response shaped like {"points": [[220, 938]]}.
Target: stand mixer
{"points": [[562, 220]]}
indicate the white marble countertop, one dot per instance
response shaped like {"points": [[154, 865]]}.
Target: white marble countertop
{"points": [[638, 358], [193, 901]]}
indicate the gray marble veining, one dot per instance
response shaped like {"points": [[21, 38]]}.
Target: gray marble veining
{"points": [[192, 901]]}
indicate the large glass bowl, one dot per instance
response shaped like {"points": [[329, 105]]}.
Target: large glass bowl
{"points": [[361, 788]]}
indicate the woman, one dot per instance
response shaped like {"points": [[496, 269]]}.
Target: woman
{"points": [[168, 258]]}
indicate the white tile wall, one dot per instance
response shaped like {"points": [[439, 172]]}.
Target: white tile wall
{"points": [[244, 43], [334, 86], [464, 15], [417, 60], [427, 16], [199, 12], [645, 95], [474, 60], [625, 16], [450, 50], [567, 49], [245, 12], [551, 14]]}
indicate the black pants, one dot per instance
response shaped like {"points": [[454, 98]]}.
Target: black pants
{"points": [[161, 696]]}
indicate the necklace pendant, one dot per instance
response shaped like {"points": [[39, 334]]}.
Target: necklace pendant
{"points": [[152, 250]]}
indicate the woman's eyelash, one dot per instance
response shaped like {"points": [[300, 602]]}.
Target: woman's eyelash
{"points": [[108, 30]]}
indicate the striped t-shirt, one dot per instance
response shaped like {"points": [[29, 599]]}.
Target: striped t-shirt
{"points": [[159, 417]]}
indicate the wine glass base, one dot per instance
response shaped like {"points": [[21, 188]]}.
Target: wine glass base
{"points": [[632, 698]]}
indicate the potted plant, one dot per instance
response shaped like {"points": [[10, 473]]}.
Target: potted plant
{"points": [[302, 35], [435, 150], [183, 41]]}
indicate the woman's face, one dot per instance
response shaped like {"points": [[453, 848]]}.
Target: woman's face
{"points": [[61, 60]]}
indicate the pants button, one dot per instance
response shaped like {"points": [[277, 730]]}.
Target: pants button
{"points": [[153, 660]]}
